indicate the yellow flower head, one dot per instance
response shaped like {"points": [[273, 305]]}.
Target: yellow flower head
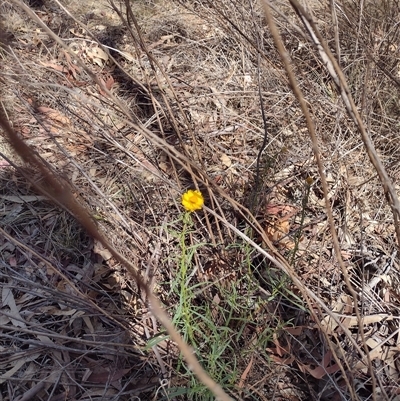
{"points": [[192, 200]]}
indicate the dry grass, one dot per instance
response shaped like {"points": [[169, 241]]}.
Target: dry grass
{"points": [[163, 96]]}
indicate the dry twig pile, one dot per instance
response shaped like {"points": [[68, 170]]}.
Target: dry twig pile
{"points": [[285, 117]]}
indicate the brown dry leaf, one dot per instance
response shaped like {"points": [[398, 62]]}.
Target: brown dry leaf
{"points": [[109, 82], [383, 352], [287, 211], [45, 340], [164, 167], [346, 255], [97, 56], [73, 68], [279, 348], [351, 321], [225, 160], [103, 375], [320, 371], [76, 315], [19, 363], [54, 66], [279, 227], [89, 324], [294, 331], [278, 233], [245, 373], [54, 115], [273, 210], [78, 32], [343, 306], [280, 354], [54, 311], [99, 249], [8, 299], [282, 361], [275, 232], [3, 321], [163, 39]]}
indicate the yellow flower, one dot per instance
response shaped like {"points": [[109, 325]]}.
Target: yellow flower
{"points": [[192, 200]]}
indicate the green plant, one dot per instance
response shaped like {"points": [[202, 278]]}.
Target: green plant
{"points": [[224, 321]]}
